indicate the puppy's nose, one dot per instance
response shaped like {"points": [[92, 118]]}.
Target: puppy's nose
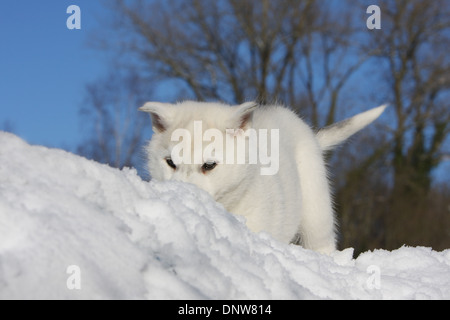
{"points": [[183, 174]]}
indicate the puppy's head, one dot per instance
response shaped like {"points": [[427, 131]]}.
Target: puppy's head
{"points": [[200, 143]]}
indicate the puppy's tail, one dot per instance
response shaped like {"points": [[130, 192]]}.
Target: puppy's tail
{"points": [[331, 136]]}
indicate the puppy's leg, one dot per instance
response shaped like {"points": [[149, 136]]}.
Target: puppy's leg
{"points": [[317, 225]]}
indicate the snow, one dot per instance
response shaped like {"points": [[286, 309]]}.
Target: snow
{"points": [[131, 239]]}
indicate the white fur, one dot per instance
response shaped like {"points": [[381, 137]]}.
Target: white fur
{"points": [[333, 135], [294, 204]]}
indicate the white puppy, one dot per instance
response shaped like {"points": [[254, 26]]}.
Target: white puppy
{"points": [[263, 163]]}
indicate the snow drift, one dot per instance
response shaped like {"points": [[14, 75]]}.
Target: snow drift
{"points": [[131, 239]]}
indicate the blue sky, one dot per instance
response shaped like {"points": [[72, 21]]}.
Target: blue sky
{"points": [[44, 68]]}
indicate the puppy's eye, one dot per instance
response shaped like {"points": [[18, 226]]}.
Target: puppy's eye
{"points": [[170, 163], [208, 166]]}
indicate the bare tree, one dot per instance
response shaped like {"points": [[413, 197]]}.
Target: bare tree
{"points": [[115, 132], [411, 52], [235, 50], [414, 44]]}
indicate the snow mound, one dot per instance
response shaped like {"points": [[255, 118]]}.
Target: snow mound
{"points": [[71, 228]]}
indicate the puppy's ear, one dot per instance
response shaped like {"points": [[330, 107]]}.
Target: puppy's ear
{"points": [[243, 115], [160, 113]]}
